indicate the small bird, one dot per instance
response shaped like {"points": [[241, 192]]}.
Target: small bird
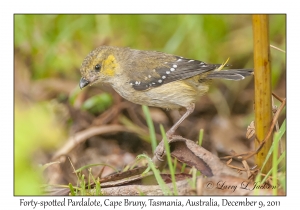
{"points": [[154, 78]]}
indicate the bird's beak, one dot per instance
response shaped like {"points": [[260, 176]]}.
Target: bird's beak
{"points": [[83, 82]]}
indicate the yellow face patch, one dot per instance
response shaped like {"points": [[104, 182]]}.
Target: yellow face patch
{"points": [[109, 66]]}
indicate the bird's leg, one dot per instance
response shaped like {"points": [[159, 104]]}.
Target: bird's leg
{"points": [[160, 150], [189, 110]]}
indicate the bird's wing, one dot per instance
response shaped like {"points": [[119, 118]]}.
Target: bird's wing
{"points": [[151, 75]]}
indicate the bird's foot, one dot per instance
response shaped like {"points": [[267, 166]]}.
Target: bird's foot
{"points": [[160, 151]]}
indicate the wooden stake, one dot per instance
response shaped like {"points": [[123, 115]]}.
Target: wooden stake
{"points": [[263, 93]]}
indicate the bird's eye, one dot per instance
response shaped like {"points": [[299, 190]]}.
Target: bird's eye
{"points": [[98, 67]]}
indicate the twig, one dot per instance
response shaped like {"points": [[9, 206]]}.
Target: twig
{"points": [[274, 121], [238, 168], [81, 136], [277, 48], [234, 156], [246, 166], [278, 98], [275, 118]]}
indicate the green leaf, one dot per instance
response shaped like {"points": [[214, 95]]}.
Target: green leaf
{"points": [[151, 127], [169, 159], [156, 172], [98, 103]]}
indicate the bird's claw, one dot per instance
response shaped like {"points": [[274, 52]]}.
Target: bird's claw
{"points": [[160, 151]]}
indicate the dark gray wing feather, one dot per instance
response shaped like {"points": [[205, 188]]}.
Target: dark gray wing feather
{"points": [[232, 74], [178, 69]]}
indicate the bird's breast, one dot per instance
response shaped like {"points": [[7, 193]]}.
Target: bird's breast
{"points": [[172, 95]]}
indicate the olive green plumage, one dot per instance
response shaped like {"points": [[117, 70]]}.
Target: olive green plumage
{"points": [[153, 78]]}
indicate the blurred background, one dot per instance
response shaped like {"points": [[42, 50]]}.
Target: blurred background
{"points": [[54, 119]]}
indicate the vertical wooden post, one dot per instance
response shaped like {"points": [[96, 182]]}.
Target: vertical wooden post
{"points": [[263, 93]]}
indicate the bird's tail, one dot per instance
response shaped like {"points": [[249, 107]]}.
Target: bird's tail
{"points": [[233, 74]]}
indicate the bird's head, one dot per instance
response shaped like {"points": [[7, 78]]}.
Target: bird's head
{"points": [[99, 66]]}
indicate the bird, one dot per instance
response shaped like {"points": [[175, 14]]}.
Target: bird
{"points": [[154, 78]]}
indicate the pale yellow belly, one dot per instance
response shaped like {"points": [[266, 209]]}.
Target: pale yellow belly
{"points": [[172, 95]]}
